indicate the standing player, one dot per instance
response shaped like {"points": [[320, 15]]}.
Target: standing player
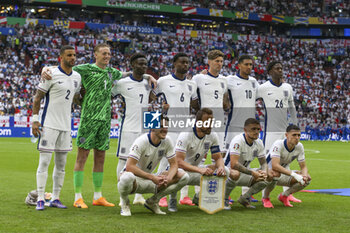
{"points": [[144, 156], [244, 148], [242, 90], [278, 101], [180, 94], [212, 90], [191, 147], [134, 91], [281, 154], [56, 121]]}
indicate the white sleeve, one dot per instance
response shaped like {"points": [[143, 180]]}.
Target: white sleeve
{"points": [[77, 89], [170, 150], [194, 95], [261, 152], [301, 156], [276, 151], [235, 147], [116, 88], [137, 149], [214, 148], [44, 85], [181, 143], [291, 108]]}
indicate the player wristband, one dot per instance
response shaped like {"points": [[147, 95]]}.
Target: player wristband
{"points": [[35, 118]]}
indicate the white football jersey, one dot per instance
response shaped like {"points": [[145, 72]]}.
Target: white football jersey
{"points": [[277, 100], [135, 95], [196, 148], [242, 94], [211, 90], [246, 152], [178, 93], [60, 91], [148, 155], [280, 150]]}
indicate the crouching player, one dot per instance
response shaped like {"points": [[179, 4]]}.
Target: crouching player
{"points": [[242, 151], [144, 156], [281, 154], [191, 147]]}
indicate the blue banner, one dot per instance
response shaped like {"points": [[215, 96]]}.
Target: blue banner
{"points": [[7, 31], [144, 30]]}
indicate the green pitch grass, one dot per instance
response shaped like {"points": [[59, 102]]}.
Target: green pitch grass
{"points": [[328, 163]]}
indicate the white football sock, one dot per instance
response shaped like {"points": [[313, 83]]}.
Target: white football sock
{"points": [[41, 174], [58, 174]]}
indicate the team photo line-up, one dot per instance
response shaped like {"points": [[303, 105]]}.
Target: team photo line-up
{"points": [[179, 156]]}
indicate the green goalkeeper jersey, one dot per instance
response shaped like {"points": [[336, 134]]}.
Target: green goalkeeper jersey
{"points": [[98, 85]]}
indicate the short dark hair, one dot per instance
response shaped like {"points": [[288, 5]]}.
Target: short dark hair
{"points": [[135, 56], [102, 45], [178, 55], [244, 57], [203, 111], [64, 48], [213, 54], [251, 121], [292, 127], [271, 64]]}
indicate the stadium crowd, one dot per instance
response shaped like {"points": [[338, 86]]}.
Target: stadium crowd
{"points": [[321, 83], [313, 8]]}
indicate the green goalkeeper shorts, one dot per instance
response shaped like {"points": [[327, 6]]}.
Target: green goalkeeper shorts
{"points": [[94, 134]]}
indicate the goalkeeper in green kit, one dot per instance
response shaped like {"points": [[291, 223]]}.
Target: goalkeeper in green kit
{"points": [[95, 122]]}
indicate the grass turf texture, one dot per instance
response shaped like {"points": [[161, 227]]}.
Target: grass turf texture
{"points": [[318, 213]]}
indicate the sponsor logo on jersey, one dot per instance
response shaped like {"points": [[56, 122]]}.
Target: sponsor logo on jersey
{"points": [[43, 142], [151, 120], [129, 88], [123, 150], [270, 93], [172, 86], [212, 186], [161, 153], [253, 85], [190, 88], [59, 82], [206, 83], [238, 84]]}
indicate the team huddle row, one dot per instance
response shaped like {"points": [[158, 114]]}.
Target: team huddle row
{"points": [[207, 95]]}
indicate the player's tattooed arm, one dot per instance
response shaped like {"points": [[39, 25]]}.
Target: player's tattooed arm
{"points": [[77, 99], [239, 167], [226, 103], [263, 164], [36, 107], [194, 106]]}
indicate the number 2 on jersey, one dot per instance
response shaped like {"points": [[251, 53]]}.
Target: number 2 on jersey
{"points": [[67, 96]]}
